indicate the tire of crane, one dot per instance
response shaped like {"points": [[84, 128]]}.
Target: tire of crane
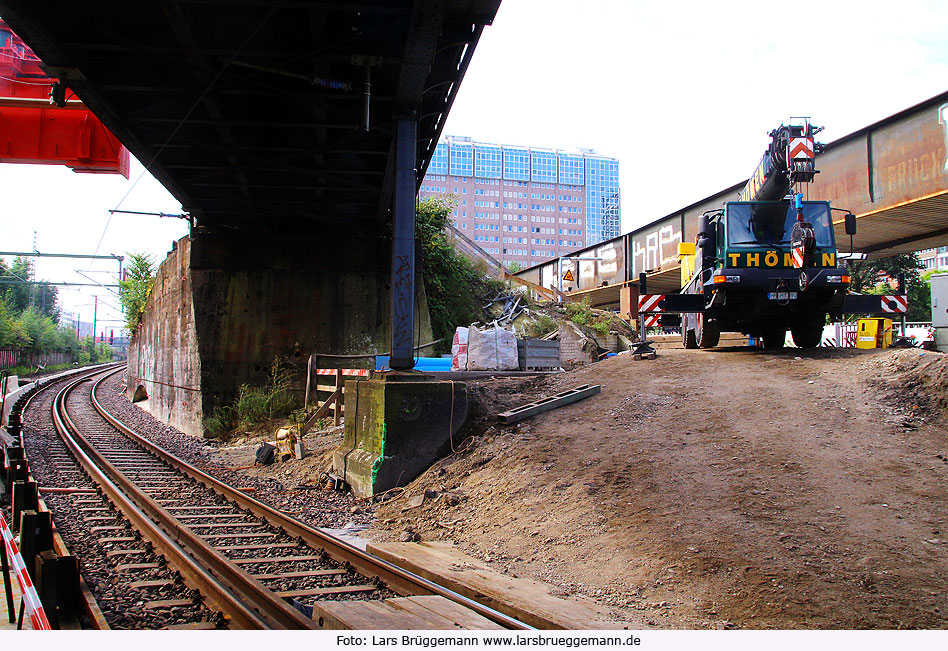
{"points": [[774, 338], [807, 336], [707, 333], [688, 338]]}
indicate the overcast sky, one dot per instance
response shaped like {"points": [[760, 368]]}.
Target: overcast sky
{"points": [[683, 93]]}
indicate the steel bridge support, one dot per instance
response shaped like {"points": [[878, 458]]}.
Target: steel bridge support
{"points": [[403, 244]]}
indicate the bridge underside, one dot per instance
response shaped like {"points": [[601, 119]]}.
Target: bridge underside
{"points": [[255, 113], [296, 135]]}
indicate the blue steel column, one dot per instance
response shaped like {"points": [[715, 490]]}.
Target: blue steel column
{"points": [[403, 245]]}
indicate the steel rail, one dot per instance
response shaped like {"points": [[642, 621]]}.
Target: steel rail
{"points": [[397, 579], [90, 606], [225, 586]]}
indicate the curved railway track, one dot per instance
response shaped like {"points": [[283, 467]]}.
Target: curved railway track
{"points": [[256, 566]]}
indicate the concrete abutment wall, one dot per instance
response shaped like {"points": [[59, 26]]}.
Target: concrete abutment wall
{"points": [[226, 304]]}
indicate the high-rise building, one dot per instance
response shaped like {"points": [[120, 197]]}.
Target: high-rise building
{"points": [[934, 259], [526, 205]]}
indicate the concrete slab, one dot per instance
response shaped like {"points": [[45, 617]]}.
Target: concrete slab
{"points": [[532, 602], [397, 425]]}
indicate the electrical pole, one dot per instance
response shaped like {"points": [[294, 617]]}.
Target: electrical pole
{"points": [[95, 310]]}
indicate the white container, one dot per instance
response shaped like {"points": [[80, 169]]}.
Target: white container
{"points": [[940, 310]]}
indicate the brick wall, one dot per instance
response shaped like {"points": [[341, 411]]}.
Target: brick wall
{"points": [[575, 347]]}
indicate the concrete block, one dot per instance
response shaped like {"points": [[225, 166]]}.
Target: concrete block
{"points": [[396, 426]]}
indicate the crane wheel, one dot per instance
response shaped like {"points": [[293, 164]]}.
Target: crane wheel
{"points": [[807, 336], [774, 338], [688, 338], [707, 333]]}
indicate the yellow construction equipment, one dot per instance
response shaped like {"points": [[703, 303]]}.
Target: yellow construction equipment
{"points": [[873, 333]]}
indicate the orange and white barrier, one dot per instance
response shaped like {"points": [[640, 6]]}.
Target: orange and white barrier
{"points": [[31, 600], [650, 302], [356, 372]]}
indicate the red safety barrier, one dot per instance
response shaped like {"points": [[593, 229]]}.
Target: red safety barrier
{"points": [[357, 372], [30, 598]]}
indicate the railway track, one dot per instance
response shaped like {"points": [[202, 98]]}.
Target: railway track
{"points": [[213, 556]]}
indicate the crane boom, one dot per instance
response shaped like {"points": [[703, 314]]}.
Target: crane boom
{"points": [[788, 160]]}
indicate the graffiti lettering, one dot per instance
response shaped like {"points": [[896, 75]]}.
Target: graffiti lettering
{"points": [[921, 168], [656, 249], [402, 300]]}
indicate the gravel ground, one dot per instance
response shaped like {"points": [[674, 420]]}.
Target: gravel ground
{"points": [[290, 487], [122, 605]]}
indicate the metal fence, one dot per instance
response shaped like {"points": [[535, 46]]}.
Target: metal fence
{"points": [[11, 357], [843, 335]]}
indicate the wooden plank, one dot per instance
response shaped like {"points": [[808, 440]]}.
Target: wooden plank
{"points": [[274, 559], [346, 615], [195, 508], [315, 592], [267, 546], [168, 603], [193, 626], [529, 601], [298, 575], [136, 567], [322, 411], [450, 614], [114, 527], [124, 552], [372, 615], [225, 525], [232, 536], [143, 585], [546, 404], [212, 516]]}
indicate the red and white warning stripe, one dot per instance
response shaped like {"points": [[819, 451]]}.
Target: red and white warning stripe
{"points": [[649, 302], [896, 303], [801, 148], [797, 253], [356, 372], [653, 320], [32, 601]]}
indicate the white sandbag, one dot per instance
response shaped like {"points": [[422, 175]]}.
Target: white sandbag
{"points": [[492, 349], [459, 350]]}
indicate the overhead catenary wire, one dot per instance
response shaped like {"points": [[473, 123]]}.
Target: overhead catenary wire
{"points": [[187, 115]]}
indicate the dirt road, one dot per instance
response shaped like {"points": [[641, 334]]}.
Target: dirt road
{"points": [[717, 489]]}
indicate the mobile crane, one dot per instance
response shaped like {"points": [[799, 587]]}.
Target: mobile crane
{"points": [[767, 263]]}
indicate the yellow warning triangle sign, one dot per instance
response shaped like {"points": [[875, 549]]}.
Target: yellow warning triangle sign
{"points": [[568, 275]]}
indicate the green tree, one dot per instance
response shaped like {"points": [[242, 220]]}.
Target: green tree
{"points": [[920, 299], [135, 287], [40, 329], [872, 277], [12, 332], [452, 284], [16, 281], [17, 285], [866, 274]]}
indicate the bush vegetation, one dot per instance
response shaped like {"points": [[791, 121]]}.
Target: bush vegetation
{"points": [[256, 406], [29, 315], [135, 287], [581, 313], [454, 285]]}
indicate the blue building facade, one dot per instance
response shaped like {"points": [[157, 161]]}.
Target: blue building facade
{"points": [[526, 204]]}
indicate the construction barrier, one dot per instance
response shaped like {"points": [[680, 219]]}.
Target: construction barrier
{"points": [[351, 372], [31, 600]]}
